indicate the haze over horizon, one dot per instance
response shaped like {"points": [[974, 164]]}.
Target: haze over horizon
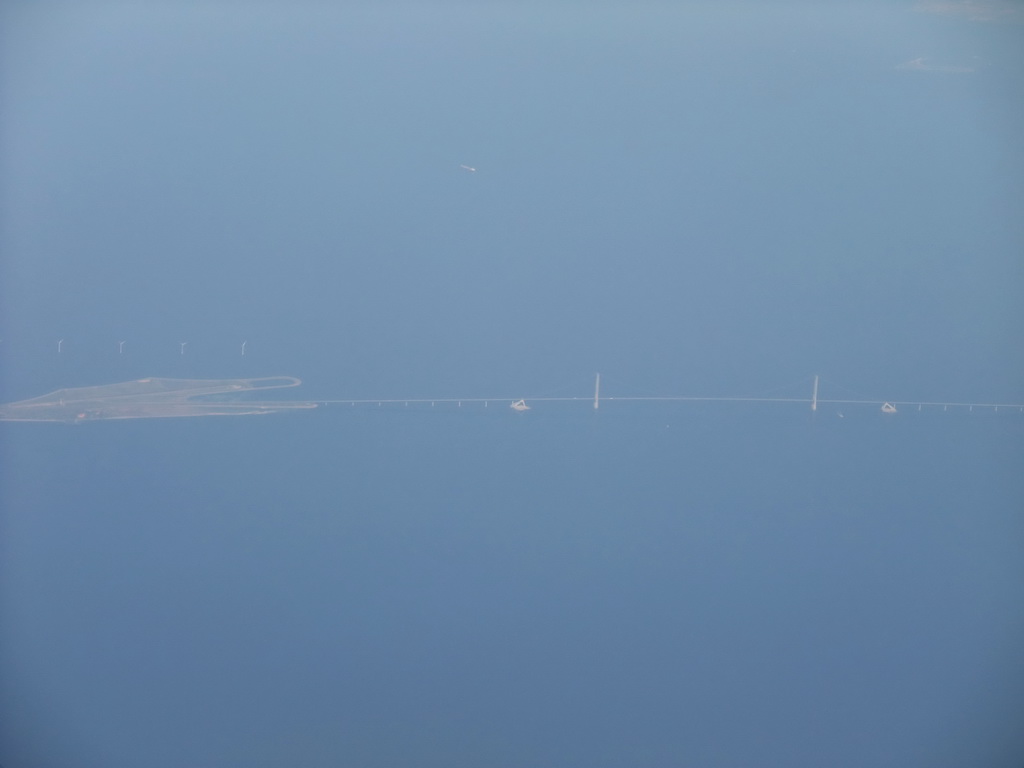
{"points": [[454, 200]]}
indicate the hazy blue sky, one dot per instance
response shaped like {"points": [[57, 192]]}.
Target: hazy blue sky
{"points": [[691, 198]]}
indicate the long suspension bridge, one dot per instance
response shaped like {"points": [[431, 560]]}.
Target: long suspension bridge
{"points": [[813, 401]]}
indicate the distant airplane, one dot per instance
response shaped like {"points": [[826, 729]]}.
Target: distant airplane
{"points": [[468, 168]]}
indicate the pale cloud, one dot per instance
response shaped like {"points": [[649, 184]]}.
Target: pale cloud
{"points": [[974, 10], [924, 64]]}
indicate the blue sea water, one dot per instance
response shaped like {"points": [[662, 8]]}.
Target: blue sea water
{"points": [[693, 199], [685, 584]]}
